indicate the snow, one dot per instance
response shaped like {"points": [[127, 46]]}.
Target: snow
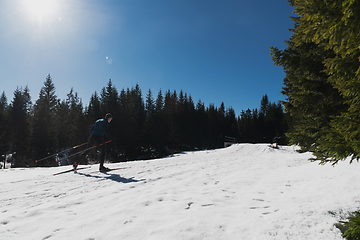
{"points": [[246, 191]]}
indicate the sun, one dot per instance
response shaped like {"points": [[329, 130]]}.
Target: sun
{"points": [[40, 8]]}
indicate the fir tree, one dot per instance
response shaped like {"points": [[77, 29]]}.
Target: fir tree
{"points": [[77, 124], [159, 141], [264, 105], [109, 98], [110, 101], [322, 79], [149, 133], [150, 104], [94, 111], [170, 137], [44, 130], [19, 127], [62, 125], [4, 132], [200, 124], [230, 125]]}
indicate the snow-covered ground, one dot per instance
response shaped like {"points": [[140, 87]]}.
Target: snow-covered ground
{"points": [[245, 191]]}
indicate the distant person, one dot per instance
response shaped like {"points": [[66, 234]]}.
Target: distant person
{"points": [[97, 133]]}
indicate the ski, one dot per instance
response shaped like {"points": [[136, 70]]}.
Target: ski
{"points": [[112, 169], [71, 170]]}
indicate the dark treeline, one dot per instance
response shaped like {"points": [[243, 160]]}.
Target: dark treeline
{"points": [[143, 126], [261, 126]]}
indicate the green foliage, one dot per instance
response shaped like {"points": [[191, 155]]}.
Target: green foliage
{"points": [[322, 83], [353, 225]]}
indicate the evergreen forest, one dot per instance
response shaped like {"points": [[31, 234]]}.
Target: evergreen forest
{"points": [[143, 126]]}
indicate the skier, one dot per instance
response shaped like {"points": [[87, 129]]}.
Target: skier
{"points": [[97, 133]]}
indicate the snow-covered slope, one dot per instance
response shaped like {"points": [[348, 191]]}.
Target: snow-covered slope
{"points": [[242, 192]]}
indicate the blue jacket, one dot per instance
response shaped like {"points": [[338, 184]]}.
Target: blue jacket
{"points": [[100, 128]]}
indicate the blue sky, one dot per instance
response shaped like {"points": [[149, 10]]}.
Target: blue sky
{"points": [[215, 50]]}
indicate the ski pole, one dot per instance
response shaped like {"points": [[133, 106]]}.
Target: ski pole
{"points": [[83, 150], [60, 152]]}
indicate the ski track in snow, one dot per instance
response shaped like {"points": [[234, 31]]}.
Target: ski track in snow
{"points": [[246, 191]]}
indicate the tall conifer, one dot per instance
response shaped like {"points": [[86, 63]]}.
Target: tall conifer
{"points": [[4, 131], [19, 127], [44, 131], [322, 78]]}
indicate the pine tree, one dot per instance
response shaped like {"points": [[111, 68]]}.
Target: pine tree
{"points": [[214, 140], [321, 65], [62, 125], [19, 127], [4, 132], [77, 125], [44, 130], [110, 101], [150, 104], [264, 105], [190, 128], [94, 111], [159, 103], [339, 30], [171, 138], [231, 129], [247, 125], [149, 132], [159, 139], [130, 130], [200, 124], [221, 123], [181, 121]]}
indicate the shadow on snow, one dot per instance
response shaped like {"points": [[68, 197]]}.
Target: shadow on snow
{"points": [[113, 177]]}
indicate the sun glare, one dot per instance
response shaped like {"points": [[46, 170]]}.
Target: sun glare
{"points": [[40, 8]]}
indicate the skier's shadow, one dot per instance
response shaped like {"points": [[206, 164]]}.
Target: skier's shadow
{"points": [[113, 177]]}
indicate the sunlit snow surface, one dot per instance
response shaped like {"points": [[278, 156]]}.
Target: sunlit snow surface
{"points": [[242, 192]]}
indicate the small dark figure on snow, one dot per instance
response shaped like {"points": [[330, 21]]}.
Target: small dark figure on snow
{"points": [[274, 143], [97, 133]]}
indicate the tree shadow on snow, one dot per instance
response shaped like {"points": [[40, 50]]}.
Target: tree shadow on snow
{"points": [[113, 177]]}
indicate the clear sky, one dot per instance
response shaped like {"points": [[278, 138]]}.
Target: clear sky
{"points": [[215, 50]]}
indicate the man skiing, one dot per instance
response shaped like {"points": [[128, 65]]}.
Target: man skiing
{"points": [[97, 133]]}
